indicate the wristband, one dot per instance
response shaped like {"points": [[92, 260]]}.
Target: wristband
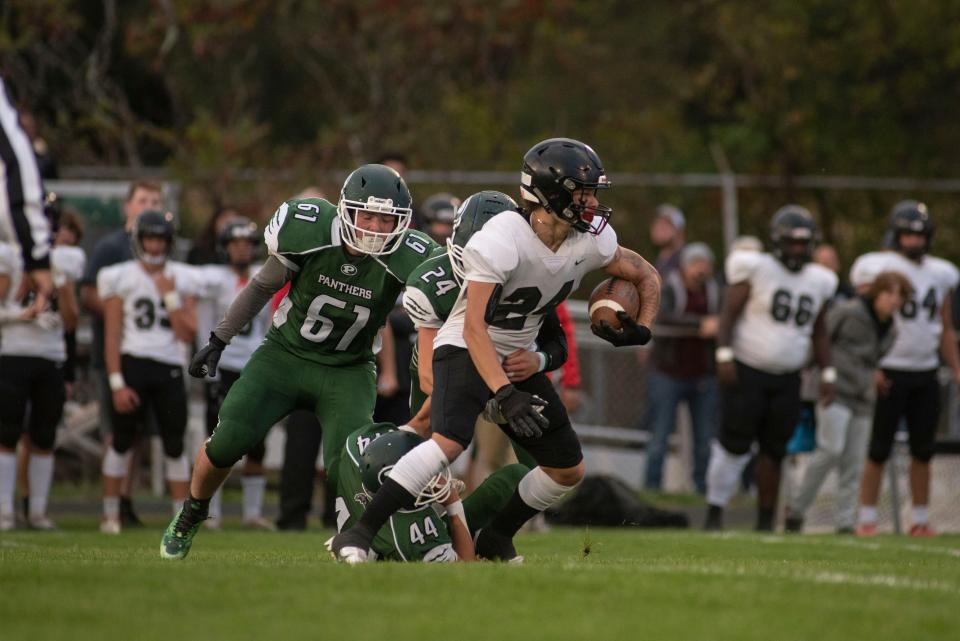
{"points": [[171, 300], [724, 354], [543, 361], [456, 509], [117, 382], [828, 375]]}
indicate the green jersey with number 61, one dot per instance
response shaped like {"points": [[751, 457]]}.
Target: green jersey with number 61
{"points": [[337, 302], [409, 535]]}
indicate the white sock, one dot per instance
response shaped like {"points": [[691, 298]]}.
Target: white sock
{"points": [[921, 515], [111, 508], [868, 514], [539, 491], [216, 504], [40, 473], [253, 489], [415, 469], [8, 481], [723, 474]]}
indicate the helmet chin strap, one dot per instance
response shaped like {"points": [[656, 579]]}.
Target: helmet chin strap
{"points": [[154, 260], [370, 243]]}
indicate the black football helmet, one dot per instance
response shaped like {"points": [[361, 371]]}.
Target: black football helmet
{"points": [[473, 214], [384, 452], [439, 208], [155, 224], [236, 229], [793, 234], [553, 170], [910, 216]]}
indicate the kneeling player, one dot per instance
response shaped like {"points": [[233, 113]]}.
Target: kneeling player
{"points": [[439, 527], [518, 268], [149, 318]]}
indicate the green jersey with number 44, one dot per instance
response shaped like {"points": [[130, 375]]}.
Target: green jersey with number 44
{"points": [[409, 535], [337, 302]]}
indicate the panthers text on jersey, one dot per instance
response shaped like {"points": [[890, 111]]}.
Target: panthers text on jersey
{"points": [[409, 535], [532, 279], [337, 302], [919, 323], [774, 331], [220, 287], [147, 332], [42, 339]]}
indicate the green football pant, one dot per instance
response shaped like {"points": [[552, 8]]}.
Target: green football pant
{"points": [[492, 496], [273, 384]]}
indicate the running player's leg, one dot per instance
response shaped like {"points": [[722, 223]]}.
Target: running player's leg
{"points": [[459, 395], [47, 395]]}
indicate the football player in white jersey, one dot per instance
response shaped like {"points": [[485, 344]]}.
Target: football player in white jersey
{"points": [[32, 356], [907, 383], [149, 320], [772, 313], [237, 243], [518, 267]]}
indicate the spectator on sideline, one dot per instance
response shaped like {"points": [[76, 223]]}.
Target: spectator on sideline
{"points": [[861, 332], [683, 366], [204, 250], [568, 376], [112, 249], [908, 386], [667, 231], [437, 214], [21, 203], [46, 162]]}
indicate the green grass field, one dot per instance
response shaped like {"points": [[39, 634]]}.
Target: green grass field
{"points": [[633, 584]]}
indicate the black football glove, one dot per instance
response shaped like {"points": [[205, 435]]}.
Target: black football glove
{"points": [[521, 411], [205, 361], [630, 332]]}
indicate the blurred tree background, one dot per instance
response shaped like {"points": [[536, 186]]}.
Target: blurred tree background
{"points": [[210, 89]]}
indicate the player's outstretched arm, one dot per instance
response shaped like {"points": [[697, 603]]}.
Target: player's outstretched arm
{"points": [[629, 265], [244, 308]]}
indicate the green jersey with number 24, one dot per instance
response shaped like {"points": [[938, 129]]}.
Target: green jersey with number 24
{"points": [[337, 302]]}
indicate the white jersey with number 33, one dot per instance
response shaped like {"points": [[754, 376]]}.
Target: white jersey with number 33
{"points": [[774, 332], [919, 324], [533, 279], [147, 332]]}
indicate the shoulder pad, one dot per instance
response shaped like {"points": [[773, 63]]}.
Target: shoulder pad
{"points": [[301, 226], [415, 247]]}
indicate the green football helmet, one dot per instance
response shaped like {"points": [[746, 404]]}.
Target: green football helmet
{"points": [[377, 189], [383, 453], [473, 214]]}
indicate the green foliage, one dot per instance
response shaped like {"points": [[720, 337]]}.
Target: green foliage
{"points": [[783, 87]]}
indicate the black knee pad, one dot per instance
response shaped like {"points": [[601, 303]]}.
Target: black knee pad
{"points": [[735, 444], [879, 452], [44, 439], [922, 453]]}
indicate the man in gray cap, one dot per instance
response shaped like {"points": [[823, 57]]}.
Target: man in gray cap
{"points": [[667, 231]]}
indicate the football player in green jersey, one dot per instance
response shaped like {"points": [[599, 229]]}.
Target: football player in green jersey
{"points": [[346, 263], [439, 527]]}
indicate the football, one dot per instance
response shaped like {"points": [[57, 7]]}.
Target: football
{"points": [[611, 296]]}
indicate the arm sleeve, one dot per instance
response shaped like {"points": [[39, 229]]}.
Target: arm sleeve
{"points": [[420, 309], [24, 191], [107, 283], [70, 367], [552, 341], [252, 298]]}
